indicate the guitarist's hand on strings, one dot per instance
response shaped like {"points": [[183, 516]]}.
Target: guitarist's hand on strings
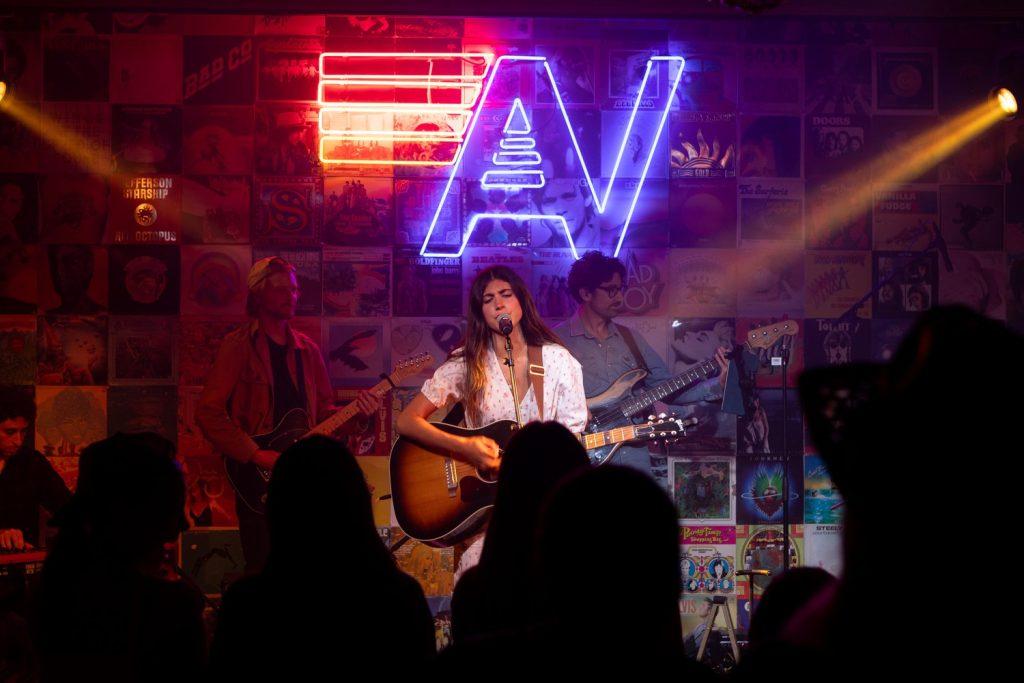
{"points": [[265, 459], [482, 452], [368, 402]]}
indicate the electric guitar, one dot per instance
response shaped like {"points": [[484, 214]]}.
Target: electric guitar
{"points": [[617, 405], [250, 481], [439, 499]]}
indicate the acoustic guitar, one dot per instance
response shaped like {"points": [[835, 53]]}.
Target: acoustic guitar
{"points": [[439, 500]]}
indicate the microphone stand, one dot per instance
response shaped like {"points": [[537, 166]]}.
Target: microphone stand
{"points": [[512, 374], [783, 359]]}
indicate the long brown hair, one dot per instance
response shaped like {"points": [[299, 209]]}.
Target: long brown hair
{"points": [[478, 334]]}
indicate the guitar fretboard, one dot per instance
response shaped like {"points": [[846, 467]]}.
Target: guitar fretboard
{"points": [[612, 436], [334, 422], [684, 380]]}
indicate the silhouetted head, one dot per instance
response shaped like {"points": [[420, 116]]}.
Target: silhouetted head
{"points": [[538, 456], [605, 527], [130, 498], [318, 504], [784, 597]]}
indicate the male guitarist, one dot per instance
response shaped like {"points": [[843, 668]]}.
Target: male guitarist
{"points": [[264, 369], [606, 349]]}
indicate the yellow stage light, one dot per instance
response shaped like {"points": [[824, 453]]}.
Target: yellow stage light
{"points": [[3, 89], [1007, 102]]}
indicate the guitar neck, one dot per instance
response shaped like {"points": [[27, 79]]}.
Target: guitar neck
{"points": [[645, 399], [334, 422], [614, 436]]}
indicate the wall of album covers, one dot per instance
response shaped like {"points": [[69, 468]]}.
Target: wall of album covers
{"points": [[111, 315]]}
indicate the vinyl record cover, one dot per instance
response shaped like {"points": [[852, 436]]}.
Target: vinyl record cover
{"points": [[144, 280], [214, 279], [704, 488], [67, 420], [703, 213], [647, 273], [73, 209], [770, 147], [358, 211], [145, 69], [72, 350], [550, 287], [907, 281], [143, 350], [834, 342], [218, 140], [216, 209], [19, 220], [143, 409], [822, 502], [702, 282], [759, 484], [145, 209], [17, 349], [771, 77], [771, 210], [831, 222], [198, 342], [286, 139], [357, 282], [72, 279], [427, 285], [18, 277], [289, 211], [435, 336], [836, 280], [219, 69], [146, 139], [905, 217], [356, 351], [703, 145]]}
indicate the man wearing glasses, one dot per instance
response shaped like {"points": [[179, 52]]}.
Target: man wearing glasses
{"points": [[264, 369], [606, 349]]}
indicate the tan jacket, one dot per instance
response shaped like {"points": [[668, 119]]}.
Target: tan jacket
{"points": [[238, 399]]}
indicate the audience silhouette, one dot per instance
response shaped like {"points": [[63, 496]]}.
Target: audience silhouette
{"points": [[495, 595], [331, 596], [103, 610]]}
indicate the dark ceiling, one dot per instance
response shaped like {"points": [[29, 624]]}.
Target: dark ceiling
{"points": [[577, 8]]}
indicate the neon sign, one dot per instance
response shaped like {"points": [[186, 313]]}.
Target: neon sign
{"points": [[371, 100], [373, 105], [517, 166]]}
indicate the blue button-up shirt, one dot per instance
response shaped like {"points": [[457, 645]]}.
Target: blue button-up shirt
{"points": [[605, 360]]}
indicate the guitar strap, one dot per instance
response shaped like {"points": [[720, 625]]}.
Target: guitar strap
{"points": [[627, 336], [535, 357]]}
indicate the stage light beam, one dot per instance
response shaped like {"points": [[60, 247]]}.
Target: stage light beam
{"points": [[1007, 102]]}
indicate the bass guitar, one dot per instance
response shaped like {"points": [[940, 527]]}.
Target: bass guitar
{"points": [[619, 404]]}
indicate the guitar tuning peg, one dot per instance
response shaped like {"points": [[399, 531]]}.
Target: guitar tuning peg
{"points": [[661, 416], [650, 418]]}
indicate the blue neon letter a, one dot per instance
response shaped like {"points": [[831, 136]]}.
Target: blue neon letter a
{"points": [[513, 164]]}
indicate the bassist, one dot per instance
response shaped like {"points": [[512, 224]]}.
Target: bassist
{"points": [[606, 349], [264, 369]]}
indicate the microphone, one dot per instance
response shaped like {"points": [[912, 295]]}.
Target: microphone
{"points": [[940, 244], [505, 324]]}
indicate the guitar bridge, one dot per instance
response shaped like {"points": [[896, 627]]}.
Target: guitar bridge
{"points": [[451, 477]]}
